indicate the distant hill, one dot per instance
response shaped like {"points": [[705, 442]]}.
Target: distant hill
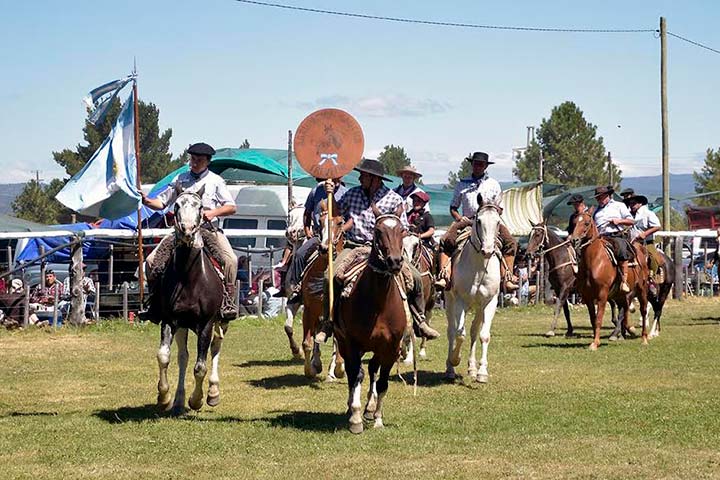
{"points": [[681, 185], [8, 192]]}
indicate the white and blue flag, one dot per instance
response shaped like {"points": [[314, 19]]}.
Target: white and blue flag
{"points": [[105, 187], [100, 98]]}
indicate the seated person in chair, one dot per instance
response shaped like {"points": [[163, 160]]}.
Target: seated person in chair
{"points": [[42, 299]]}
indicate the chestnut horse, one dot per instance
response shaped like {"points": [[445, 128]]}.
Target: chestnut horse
{"points": [[598, 280], [313, 298], [374, 318]]}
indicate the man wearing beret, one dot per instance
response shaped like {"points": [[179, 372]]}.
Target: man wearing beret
{"points": [[217, 202], [465, 197]]}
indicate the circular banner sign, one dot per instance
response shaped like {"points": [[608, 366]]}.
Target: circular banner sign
{"points": [[329, 143]]}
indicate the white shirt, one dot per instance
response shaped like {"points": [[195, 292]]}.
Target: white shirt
{"points": [[215, 195], [644, 220], [603, 215], [466, 192], [406, 194]]}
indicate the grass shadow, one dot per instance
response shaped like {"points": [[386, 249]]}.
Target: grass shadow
{"points": [[285, 381], [555, 345], [142, 413], [287, 362], [30, 414], [309, 421], [426, 378]]}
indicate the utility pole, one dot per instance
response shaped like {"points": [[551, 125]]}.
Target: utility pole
{"points": [[665, 128], [610, 172], [37, 176], [530, 135]]}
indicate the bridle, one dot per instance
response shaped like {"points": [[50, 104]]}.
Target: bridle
{"points": [[476, 226], [382, 268], [199, 223]]}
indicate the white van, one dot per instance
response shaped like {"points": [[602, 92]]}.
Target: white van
{"points": [[261, 207]]}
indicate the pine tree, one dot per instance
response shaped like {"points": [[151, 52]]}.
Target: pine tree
{"points": [[708, 179], [393, 158], [573, 154]]}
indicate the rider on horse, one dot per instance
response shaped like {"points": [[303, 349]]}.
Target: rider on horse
{"points": [[356, 206], [646, 224], [578, 203], [408, 187], [217, 202], [311, 221], [421, 221], [610, 216], [466, 196]]}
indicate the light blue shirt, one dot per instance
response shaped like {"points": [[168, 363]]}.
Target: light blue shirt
{"points": [[603, 215]]}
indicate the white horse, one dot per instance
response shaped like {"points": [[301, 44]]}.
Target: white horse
{"points": [[475, 283]]}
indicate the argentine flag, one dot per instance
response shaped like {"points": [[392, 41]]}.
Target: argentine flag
{"points": [[105, 187]]}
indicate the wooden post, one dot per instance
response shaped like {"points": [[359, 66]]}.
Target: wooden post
{"points": [[665, 128], [55, 306], [331, 273], [10, 258], [125, 300], [26, 312], [138, 184], [111, 268], [677, 289], [272, 262], [96, 307], [610, 172], [260, 298], [42, 267], [77, 309], [697, 282]]}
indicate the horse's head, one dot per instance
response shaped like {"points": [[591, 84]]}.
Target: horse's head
{"points": [[584, 228], [485, 228], [538, 238], [335, 225], [388, 239], [188, 215]]}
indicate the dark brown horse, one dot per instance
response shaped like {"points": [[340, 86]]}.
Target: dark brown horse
{"points": [[423, 258], [312, 293], [374, 318], [599, 281], [560, 259], [188, 297]]}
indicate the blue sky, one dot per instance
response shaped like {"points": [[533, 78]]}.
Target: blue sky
{"points": [[221, 71]]}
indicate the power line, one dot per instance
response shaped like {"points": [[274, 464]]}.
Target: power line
{"points": [[447, 24], [697, 44]]}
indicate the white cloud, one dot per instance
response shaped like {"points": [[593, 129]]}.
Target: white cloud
{"points": [[380, 105]]}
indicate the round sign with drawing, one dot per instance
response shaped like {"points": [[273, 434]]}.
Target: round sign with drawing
{"points": [[329, 143]]}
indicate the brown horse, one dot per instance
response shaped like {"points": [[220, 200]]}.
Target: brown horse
{"points": [[312, 293], [599, 281], [373, 319]]}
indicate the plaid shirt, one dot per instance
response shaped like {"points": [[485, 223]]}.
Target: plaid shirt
{"points": [[356, 205], [46, 296]]}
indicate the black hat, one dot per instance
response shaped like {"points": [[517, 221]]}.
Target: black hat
{"points": [[373, 167], [201, 149], [575, 198], [641, 199], [606, 190], [49, 272], [479, 157], [628, 192]]}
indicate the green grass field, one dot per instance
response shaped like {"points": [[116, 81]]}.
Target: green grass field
{"points": [[80, 404]]}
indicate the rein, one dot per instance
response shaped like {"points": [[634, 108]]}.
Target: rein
{"points": [[476, 226], [199, 225]]}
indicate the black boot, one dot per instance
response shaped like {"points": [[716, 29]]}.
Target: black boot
{"points": [[148, 311], [229, 309], [325, 327]]}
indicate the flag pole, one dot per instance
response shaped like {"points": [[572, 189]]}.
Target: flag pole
{"points": [[138, 184]]}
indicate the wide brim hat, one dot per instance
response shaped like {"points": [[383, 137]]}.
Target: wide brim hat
{"points": [[604, 190], [420, 195], [373, 167], [627, 191], [408, 169], [479, 157], [201, 149], [641, 199], [576, 198]]}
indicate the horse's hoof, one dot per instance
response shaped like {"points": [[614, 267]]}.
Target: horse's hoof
{"points": [[450, 376], [213, 401], [368, 416], [297, 355], [422, 354], [571, 335], [356, 427], [472, 372], [378, 423], [482, 378], [632, 331], [163, 403], [339, 370], [645, 341], [456, 353], [331, 378], [550, 333], [177, 410], [408, 361], [613, 338], [195, 405], [593, 347]]}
